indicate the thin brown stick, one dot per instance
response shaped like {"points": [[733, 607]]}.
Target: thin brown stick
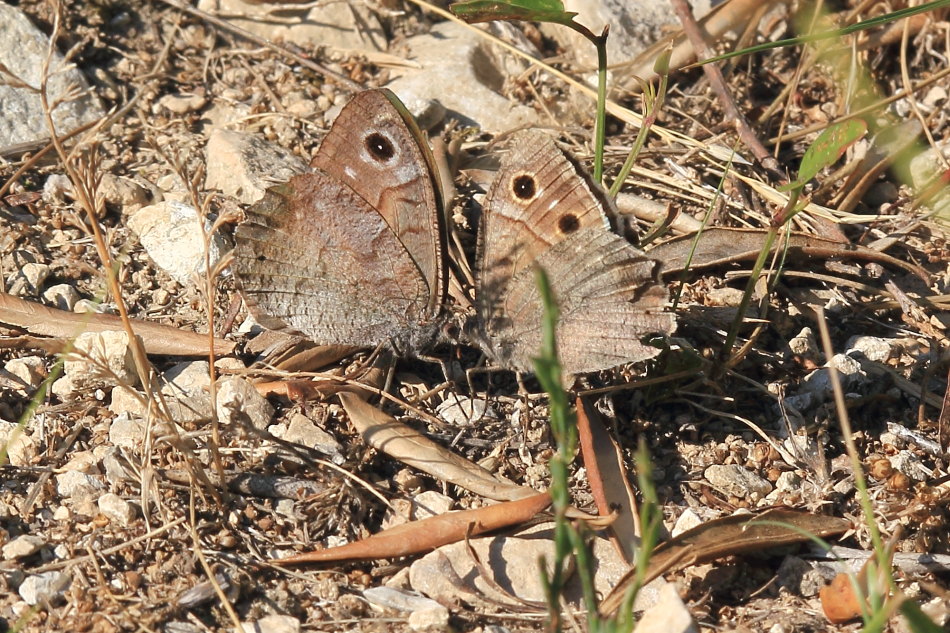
{"points": [[718, 84]]}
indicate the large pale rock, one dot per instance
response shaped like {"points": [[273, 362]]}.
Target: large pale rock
{"points": [[100, 359], [116, 508], [449, 573], [31, 370], [244, 165], [634, 26], [240, 404], [303, 431], [452, 55], [185, 388], [668, 615], [73, 484], [171, 233], [48, 588], [344, 26], [23, 546], [20, 447], [23, 49]]}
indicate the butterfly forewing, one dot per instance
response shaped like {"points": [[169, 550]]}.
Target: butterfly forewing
{"points": [[351, 252], [376, 149]]}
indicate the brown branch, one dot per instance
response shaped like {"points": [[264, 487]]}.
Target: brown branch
{"points": [[718, 83]]}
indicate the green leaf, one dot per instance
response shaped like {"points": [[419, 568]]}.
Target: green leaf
{"points": [[530, 10], [828, 148]]}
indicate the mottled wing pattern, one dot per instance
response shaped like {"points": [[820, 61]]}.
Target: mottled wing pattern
{"points": [[376, 149], [541, 211], [315, 258]]}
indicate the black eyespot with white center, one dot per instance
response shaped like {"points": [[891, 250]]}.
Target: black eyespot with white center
{"points": [[523, 187], [379, 147]]}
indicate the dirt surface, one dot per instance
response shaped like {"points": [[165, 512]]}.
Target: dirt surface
{"points": [[147, 575]]}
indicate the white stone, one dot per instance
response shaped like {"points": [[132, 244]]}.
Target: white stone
{"points": [[187, 390], [668, 615], [243, 166], [47, 588], [273, 623], [61, 296], [127, 432], [736, 480], [788, 481], [30, 369], [84, 462], [430, 503], [63, 388], [116, 508], [128, 401], [23, 546], [172, 235], [123, 192], [57, 189], [182, 103], [303, 431], [514, 564], [634, 26], [431, 619], [685, 522], [240, 404], [464, 411], [73, 484], [88, 306], [909, 464], [725, 297], [20, 447], [397, 600], [100, 359], [27, 281], [804, 344], [874, 348], [849, 373], [23, 50], [472, 64]]}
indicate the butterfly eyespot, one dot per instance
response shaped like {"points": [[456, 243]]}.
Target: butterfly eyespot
{"points": [[379, 147], [568, 223], [523, 187]]}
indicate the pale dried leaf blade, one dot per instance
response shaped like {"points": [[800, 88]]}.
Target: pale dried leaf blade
{"points": [[401, 442], [157, 338]]}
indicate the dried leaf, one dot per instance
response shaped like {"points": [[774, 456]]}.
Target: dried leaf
{"points": [[164, 340], [608, 480], [718, 246], [426, 535], [736, 534], [405, 444]]}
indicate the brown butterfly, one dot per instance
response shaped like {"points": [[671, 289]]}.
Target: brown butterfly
{"points": [[353, 252]]}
